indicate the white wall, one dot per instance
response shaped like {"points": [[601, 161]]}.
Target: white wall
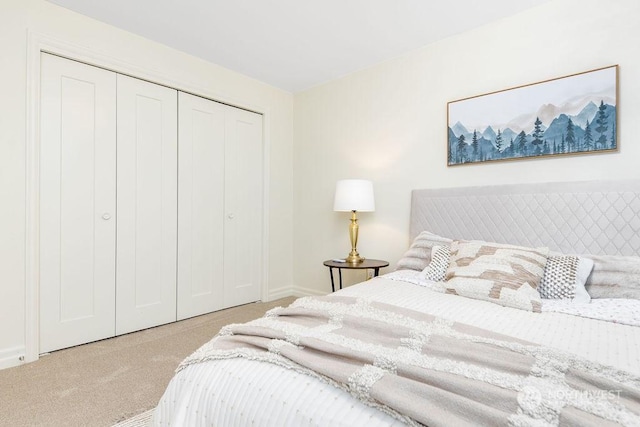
{"points": [[388, 123], [17, 18]]}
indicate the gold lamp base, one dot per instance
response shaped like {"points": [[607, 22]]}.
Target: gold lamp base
{"points": [[354, 257]]}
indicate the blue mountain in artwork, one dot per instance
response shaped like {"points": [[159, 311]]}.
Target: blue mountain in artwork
{"points": [[587, 113], [489, 134], [487, 149], [558, 128], [507, 135], [459, 129]]}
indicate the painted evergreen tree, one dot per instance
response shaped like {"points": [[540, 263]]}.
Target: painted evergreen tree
{"points": [[555, 147], [450, 154], [601, 122], [545, 147], [563, 148], [474, 144], [499, 142], [588, 139], [510, 149], [613, 136], [570, 139], [522, 143], [481, 155], [537, 135], [462, 149]]}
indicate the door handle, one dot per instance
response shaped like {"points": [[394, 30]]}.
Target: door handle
{"points": [[106, 216]]}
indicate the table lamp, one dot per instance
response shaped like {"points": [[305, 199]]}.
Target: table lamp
{"points": [[354, 195]]}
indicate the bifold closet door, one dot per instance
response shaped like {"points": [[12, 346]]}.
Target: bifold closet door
{"points": [[77, 203], [147, 205], [243, 207], [200, 205], [220, 206]]}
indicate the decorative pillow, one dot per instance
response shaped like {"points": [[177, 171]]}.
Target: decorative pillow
{"points": [[564, 278], [507, 275], [614, 276], [437, 268], [418, 256]]}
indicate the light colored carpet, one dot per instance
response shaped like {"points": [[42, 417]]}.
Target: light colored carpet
{"points": [[109, 381]]}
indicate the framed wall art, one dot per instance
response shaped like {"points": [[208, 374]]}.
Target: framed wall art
{"points": [[574, 114]]}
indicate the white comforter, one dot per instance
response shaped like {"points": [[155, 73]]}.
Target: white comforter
{"points": [[241, 392]]}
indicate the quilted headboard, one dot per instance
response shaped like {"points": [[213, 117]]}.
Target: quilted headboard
{"points": [[599, 217]]}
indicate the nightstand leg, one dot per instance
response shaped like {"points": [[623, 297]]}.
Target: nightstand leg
{"points": [[333, 289], [340, 274], [375, 272]]}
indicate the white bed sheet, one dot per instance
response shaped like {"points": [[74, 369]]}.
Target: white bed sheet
{"points": [[241, 392], [617, 310]]}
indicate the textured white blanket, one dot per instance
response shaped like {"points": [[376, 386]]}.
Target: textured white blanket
{"points": [[266, 395], [425, 370]]}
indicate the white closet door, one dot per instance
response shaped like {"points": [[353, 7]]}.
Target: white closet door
{"points": [[147, 205], [77, 203], [243, 207], [200, 205]]}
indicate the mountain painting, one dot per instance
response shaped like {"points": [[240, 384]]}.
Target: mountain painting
{"points": [[568, 115]]}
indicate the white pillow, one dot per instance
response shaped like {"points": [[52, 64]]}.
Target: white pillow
{"points": [[564, 278], [614, 276], [437, 268]]}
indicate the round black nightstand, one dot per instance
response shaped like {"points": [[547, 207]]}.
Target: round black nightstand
{"points": [[374, 264]]}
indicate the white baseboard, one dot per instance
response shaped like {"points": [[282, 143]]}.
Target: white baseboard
{"points": [[305, 292], [293, 291], [10, 357], [285, 291]]}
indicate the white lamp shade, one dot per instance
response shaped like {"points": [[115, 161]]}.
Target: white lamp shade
{"points": [[354, 195]]}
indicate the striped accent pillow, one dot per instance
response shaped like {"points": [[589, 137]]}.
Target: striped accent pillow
{"points": [[418, 256]]}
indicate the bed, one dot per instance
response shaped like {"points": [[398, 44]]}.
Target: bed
{"points": [[405, 349]]}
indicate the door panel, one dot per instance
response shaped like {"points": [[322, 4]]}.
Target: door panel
{"points": [[77, 203], [147, 205], [200, 205], [243, 207]]}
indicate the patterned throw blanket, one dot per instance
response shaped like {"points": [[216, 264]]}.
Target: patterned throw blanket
{"points": [[426, 370]]}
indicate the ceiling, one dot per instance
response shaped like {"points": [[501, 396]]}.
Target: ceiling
{"points": [[296, 44]]}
